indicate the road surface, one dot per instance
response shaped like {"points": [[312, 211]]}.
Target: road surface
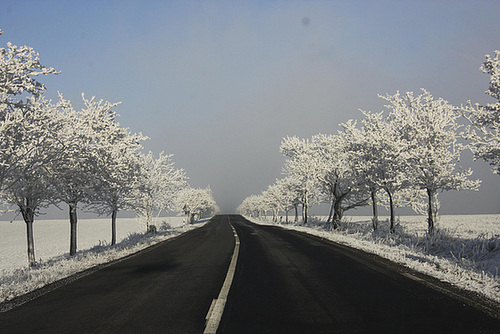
{"points": [[287, 282], [166, 289], [284, 282]]}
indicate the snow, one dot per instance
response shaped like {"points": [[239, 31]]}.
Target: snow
{"points": [[52, 248], [465, 251]]}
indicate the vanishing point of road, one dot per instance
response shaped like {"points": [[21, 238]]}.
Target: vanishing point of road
{"points": [[252, 279]]}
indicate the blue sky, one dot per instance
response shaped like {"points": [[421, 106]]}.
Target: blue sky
{"points": [[219, 83]]}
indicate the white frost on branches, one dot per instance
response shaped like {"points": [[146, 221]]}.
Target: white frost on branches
{"points": [[301, 167], [428, 129], [196, 202], [376, 157], [159, 182], [411, 154], [51, 153], [27, 179], [336, 175], [27, 126], [485, 119], [117, 162], [19, 67]]}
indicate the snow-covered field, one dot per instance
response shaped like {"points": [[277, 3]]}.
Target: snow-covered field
{"points": [[465, 251], [52, 248]]}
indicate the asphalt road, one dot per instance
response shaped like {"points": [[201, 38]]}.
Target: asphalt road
{"points": [[288, 282], [166, 289], [285, 282]]}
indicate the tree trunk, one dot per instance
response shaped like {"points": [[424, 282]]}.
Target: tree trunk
{"points": [[391, 208], [338, 213], [305, 207], [430, 216], [191, 220], [148, 215], [305, 212], [375, 210], [72, 223], [113, 227], [29, 217], [31, 244], [296, 206], [331, 210]]}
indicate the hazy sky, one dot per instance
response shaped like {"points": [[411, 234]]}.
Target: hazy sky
{"points": [[220, 83]]}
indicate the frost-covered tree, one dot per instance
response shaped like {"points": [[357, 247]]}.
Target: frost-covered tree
{"points": [[119, 181], [335, 173], [289, 191], [160, 182], [485, 134], [245, 208], [375, 154], [302, 167], [429, 129], [78, 173], [117, 168], [25, 133], [279, 197], [196, 202], [274, 200], [251, 206], [27, 185], [19, 67]]}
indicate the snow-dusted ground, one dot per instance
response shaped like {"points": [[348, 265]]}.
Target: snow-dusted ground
{"points": [[52, 248], [465, 251]]}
